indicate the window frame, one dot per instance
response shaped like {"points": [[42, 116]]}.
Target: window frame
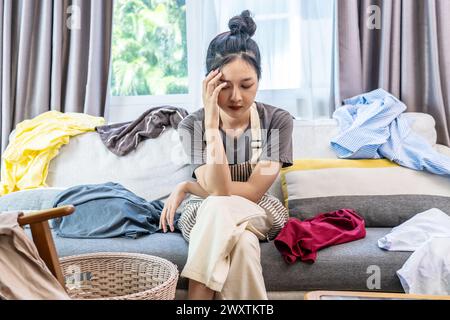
{"points": [[126, 107], [186, 100]]}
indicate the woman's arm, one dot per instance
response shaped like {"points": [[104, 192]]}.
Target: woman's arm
{"points": [[173, 202], [214, 176], [193, 187], [262, 178]]}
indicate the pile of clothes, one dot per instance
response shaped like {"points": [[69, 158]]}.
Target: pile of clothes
{"points": [[35, 142]]}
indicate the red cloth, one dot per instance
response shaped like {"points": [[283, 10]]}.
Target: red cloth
{"points": [[302, 239]]}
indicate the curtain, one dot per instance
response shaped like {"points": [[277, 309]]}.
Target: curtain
{"points": [[295, 38], [405, 52], [54, 55]]}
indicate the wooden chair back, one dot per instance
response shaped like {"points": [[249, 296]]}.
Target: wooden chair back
{"points": [[42, 236]]}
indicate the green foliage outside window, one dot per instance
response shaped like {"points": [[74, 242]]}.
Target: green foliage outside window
{"points": [[149, 51]]}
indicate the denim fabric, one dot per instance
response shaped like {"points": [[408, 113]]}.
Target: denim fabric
{"points": [[105, 211]]}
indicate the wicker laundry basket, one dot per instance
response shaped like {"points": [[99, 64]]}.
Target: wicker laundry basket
{"points": [[119, 276]]}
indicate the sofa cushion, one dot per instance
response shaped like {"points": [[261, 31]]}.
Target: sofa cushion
{"points": [[311, 139], [382, 192], [422, 124], [151, 171], [443, 149], [34, 199], [346, 266], [338, 267]]}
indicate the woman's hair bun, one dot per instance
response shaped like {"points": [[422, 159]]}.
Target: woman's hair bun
{"points": [[242, 24]]}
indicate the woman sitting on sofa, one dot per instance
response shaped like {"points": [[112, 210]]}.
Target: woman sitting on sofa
{"points": [[237, 147]]}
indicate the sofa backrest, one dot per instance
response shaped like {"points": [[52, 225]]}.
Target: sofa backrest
{"points": [[158, 165], [311, 139], [151, 171]]}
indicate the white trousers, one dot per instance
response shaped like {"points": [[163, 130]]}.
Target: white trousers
{"points": [[224, 254]]}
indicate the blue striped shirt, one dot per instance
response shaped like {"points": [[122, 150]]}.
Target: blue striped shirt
{"points": [[372, 126]]}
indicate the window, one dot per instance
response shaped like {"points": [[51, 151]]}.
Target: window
{"points": [[149, 52], [159, 48], [296, 42]]}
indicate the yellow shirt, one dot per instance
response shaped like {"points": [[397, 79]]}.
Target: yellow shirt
{"points": [[37, 141]]}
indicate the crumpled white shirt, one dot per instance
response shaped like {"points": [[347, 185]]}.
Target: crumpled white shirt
{"points": [[427, 270], [412, 234]]}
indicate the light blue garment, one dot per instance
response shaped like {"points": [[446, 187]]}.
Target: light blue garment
{"points": [[107, 210], [372, 126]]}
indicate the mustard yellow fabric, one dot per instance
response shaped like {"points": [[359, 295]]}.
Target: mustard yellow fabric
{"points": [[35, 143], [316, 164]]}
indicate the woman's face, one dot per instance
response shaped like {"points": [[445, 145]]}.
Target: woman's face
{"points": [[242, 84]]}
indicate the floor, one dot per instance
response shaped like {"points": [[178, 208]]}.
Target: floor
{"points": [[181, 294]]}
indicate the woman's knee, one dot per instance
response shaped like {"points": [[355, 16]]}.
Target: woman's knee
{"points": [[226, 211], [216, 204], [230, 202], [217, 200], [247, 243]]}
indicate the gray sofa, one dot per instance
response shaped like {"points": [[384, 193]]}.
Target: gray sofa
{"points": [[158, 165]]}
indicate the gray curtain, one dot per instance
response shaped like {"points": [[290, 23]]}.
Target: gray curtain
{"points": [[54, 55], [408, 56]]}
